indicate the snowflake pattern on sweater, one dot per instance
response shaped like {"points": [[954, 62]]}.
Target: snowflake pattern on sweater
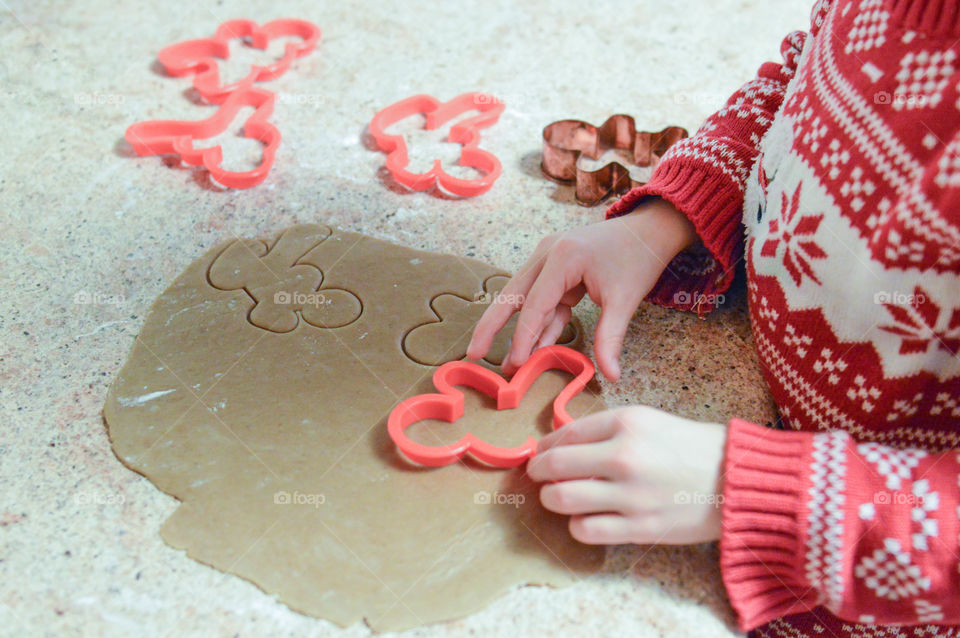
{"points": [[836, 177]]}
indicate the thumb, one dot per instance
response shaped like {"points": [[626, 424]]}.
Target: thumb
{"points": [[608, 339]]}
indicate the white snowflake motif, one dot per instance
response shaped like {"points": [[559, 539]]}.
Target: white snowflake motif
{"points": [[893, 464], [798, 342], [903, 408], [829, 365], [856, 186], [925, 502], [869, 27], [948, 166], [890, 574], [863, 393], [945, 404], [922, 77], [792, 238], [927, 611], [924, 324], [833, 159]]}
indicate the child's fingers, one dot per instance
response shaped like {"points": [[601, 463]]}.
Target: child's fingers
{"points": [[608, 340], [555, 279], [551, 333], [598, 426], [547, 322], [583, 497], [496, 316], [510, 368], [573, 296], [542, 339], [529, 327], [568, 462], [601, 529]]}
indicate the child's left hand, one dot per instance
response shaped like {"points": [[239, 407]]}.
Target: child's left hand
{"points": [[634, 475]]}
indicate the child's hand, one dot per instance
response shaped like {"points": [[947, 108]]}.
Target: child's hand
{"points": [[634, 475], [616, 262]]}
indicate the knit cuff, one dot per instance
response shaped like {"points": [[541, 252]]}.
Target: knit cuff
{"points": [[763, 542], [938, 18], [696, 278]]}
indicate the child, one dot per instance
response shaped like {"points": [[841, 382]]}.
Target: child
{"points": [[841, 167]]}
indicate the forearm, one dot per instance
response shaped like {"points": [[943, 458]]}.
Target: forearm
{"points": [[657, 218]]}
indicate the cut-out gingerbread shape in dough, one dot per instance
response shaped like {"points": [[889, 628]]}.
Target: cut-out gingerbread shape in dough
{"points": [[446, 337], [276, 442], [282, 282]]}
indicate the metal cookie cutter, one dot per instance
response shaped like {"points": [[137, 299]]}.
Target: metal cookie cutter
{"points": [[566, 140], [160, 137], [465, 133], [448, 405], [200, 56]]}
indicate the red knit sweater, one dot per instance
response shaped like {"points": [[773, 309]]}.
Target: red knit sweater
{"points": [[836, 175]]}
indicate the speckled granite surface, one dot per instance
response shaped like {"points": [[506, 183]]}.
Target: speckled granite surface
{"points": [[90, 236]]}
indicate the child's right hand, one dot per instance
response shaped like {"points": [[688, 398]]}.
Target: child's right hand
{"points": [[616, 262]]}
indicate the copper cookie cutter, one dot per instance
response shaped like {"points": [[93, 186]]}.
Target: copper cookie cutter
{"points": [[565, 141]]}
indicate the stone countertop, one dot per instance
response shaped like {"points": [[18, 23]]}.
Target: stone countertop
{"points": [[89, 236]]}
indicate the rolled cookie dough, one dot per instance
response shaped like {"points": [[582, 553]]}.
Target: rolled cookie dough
{"points": [[257, 394]]}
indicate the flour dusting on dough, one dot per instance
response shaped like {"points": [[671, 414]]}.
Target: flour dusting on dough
{"points": [[128, 402]]}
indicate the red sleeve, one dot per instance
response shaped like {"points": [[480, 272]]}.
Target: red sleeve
{"points": [[703, 176], [866, 530]]}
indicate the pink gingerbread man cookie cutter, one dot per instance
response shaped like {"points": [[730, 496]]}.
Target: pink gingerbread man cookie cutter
{"points": [[200, 56], [177, 137], [466, 133], [448, 405]]}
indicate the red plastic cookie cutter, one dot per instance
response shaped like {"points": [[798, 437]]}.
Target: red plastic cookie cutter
{"points": [[448, 405], [161, 137], [200, 56], [465, 133]]}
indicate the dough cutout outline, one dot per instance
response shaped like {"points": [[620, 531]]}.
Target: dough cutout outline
{"points": [[281, 299], [457, 314]]}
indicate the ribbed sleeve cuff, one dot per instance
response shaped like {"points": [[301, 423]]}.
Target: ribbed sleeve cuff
{"points": [[933, 17], [696, 278], [763, 544]]}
